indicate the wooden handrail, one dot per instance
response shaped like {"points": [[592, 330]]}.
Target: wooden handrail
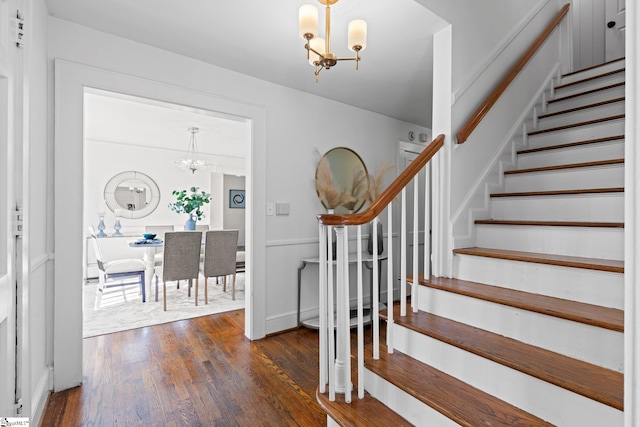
{"points": [[390, 193], [493, 97]]}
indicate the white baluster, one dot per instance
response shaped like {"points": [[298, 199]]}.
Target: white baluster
{"points": [[427, 222], [416, 235], [324, 355], [342, 364], [390, 279], [376, 304], [330, 317], [360, 316], [403, 253]]}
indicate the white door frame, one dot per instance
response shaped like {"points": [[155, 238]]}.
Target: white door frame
{"points": [[70, 81]]}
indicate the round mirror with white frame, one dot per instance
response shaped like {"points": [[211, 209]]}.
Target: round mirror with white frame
{"points": [[132, 195]]}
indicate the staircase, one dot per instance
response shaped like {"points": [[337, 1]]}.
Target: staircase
{"points": [[530, 330]]}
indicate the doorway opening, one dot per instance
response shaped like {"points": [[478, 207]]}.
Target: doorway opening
{"points": [[124, 134]]}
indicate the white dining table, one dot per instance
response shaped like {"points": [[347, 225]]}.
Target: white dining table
{"points": [[148, 257]]}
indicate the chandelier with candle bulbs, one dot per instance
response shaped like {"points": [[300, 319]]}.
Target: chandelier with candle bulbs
{"points": [[190, 161], [319, 50]]}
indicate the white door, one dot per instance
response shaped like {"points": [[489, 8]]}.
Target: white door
{"points": [[10, 119], [615, 29]]}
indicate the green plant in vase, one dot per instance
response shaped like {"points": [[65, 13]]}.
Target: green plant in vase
{"points": [[190, 202]]}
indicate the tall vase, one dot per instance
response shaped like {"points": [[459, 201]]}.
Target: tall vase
{"points": [[101, 225], [190, 225]]}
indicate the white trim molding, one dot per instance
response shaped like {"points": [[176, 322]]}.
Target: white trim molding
{"points": [[631, 220]]}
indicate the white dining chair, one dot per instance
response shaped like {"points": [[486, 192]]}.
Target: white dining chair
{"points": [[114, 269]]}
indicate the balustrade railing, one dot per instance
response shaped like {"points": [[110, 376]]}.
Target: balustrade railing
{"points": [[335, 304]]}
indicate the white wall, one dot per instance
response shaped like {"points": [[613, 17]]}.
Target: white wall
{"points": [[291, 146], [103, 160], [38, 234]]}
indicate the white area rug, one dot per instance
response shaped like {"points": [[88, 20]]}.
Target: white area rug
{"points": [[122, 307]]}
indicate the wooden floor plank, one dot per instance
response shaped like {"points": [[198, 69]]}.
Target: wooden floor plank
{"points": [[200, 371]]}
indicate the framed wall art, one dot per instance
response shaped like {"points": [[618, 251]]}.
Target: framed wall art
{"points": [[236, 199]]}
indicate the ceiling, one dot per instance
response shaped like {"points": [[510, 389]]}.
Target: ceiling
{"points": [[260, 38], [132, 121]]}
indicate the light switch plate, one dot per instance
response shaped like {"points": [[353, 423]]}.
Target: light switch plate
{"points": [[271, 209]]}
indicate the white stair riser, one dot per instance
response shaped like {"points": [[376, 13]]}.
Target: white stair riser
{"points": [[606, 110], [589, 85], [616, 65], [531, 394], [588, 98], [605, 243], [608, 176], [580, 133], [591, 344], [578, 284], [599, 207], [413, 410], [577, 154]]}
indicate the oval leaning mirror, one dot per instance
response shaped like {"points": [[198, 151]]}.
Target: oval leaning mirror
{"points": [[342, 181], [134, 194]]}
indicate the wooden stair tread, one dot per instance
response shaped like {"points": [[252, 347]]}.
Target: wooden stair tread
{"points": [[588, 79], [593, 67], [560, 192], [582, 107], [457, 400], [579, 124], [572, 144], [551, 223], [364, 412], [589, 314], [567, 166], [587, 92], [613, 266], [594, 382]]}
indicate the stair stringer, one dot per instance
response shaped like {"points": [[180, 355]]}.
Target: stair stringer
{"points": [[476, 203]]}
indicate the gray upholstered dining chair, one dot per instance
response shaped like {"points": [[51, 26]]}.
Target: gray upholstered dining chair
{"points": [[202, 227], [115, 268], [220, 258], [180, 261]]}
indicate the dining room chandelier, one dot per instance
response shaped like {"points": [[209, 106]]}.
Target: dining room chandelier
{"points": [[191, 162], [318, 49]]}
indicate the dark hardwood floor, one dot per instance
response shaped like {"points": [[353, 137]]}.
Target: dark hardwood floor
{"points": [[197, 372]]}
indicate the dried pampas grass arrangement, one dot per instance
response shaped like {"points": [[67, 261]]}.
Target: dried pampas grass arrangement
{"points": [[358, 191], [375, 182], [326, 187]]}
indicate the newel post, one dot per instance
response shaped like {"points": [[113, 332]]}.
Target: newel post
{"points": [[343, 338]]}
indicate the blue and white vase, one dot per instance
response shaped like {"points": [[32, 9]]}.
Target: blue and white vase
{"points": [[190, 225]]}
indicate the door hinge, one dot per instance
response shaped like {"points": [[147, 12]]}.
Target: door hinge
{"points": [[19, 29], [17, 407], [18, 223]]}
